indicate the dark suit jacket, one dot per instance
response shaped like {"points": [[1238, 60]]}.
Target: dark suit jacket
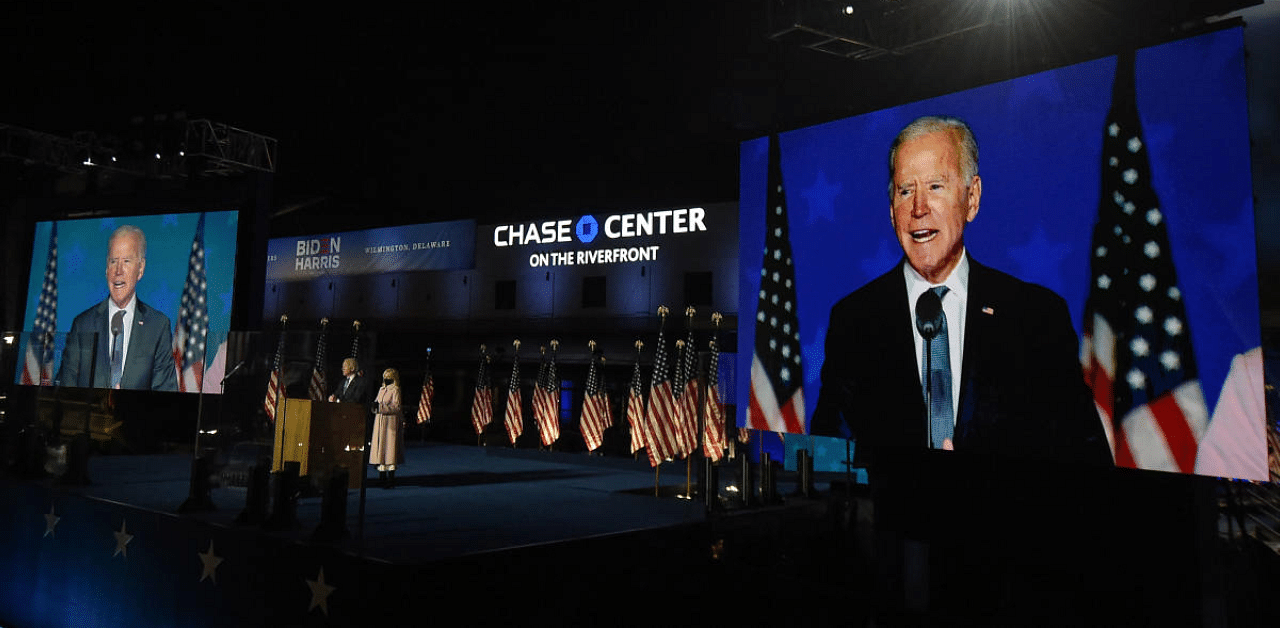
{"points": [[357, 392], [149, 360], [1022, 392]]}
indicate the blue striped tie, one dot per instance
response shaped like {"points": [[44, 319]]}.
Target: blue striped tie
{"points": [[117, 348], [942, 416]]}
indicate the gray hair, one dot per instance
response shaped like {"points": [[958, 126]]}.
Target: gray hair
{"points": [[133, 231], [966, 143]]}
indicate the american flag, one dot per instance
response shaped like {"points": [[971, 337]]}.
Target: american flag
{"points": [[319, 381], [37, 367], [635, 405], [686, 403], [355, 340], [690, 382], [273, 385], [482, 403], [546, 399], [777, 378], [428, 392], [192, 328], [713, 442], [514, 418], [1136, 352], [595, 417], [661, 434]]}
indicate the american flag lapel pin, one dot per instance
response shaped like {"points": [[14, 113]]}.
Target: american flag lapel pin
{"points": [[988, 310]]}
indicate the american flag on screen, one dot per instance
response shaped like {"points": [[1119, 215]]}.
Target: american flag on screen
{"points": [[192, 329], [319, 381], [546, 399], [777, 378], [514, 417], [1136, 350], [661, 434], [594, 413], [273, 384], [482, 403], [428, 392], [635, 405], [37, 365], [713, 442]]}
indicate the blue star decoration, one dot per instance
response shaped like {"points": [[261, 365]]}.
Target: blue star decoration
{"points": [[50, 522], [210, 562], [122, 541], [320, 593], [821, 197]]}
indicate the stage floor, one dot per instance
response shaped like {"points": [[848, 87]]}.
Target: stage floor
{"points": [[449, 500]]}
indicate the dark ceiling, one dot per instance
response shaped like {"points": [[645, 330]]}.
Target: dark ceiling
{"points": [[492, 110]]}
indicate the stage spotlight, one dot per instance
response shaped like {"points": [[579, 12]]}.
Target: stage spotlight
{"points": [[8, 339], [848, 9], [157, 155]]}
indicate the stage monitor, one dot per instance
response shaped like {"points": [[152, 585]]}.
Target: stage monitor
{"points": [[172, 273], [1120, 187]]}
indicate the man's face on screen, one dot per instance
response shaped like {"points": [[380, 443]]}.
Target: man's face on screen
{"points": [[124, 267], [932, 202]]}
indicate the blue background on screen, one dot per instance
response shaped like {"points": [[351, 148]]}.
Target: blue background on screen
{"points": [[1040, 142], [82, 264]]}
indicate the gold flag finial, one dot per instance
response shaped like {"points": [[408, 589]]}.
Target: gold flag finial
{"points": [[555, 345], [355, 325], [716, 317], [662, 311], [284, 318], [516, 344], [324, 322], [689, 311], [639, 345], [591, 344]]}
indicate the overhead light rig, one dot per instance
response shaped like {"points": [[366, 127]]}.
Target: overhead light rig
{"points": [[170, 147]]}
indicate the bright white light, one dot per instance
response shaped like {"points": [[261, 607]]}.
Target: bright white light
{"points": [[8, 339], [848, 9], [157, 155], [113, 158], [182, 153], [88, 161]]}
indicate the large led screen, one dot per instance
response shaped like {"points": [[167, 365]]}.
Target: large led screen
{"points": [[1122, 185], [176, 295]]}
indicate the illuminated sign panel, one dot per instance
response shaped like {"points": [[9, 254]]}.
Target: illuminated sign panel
{"points": [[432, 246]]}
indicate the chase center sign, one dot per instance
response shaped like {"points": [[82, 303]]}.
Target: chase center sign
{"points": [[623, 238]]}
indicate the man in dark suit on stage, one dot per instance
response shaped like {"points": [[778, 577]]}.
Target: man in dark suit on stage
{"points": [[1019, 389], [354, 387], [134, 345]]}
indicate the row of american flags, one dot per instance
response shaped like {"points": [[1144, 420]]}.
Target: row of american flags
{"points": [[672, 418]]}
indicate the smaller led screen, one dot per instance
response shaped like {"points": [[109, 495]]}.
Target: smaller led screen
{"points": [[171, 273]]}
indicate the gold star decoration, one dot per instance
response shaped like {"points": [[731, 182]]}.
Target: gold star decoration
{"points": [[210, 560], [50, 521], [122, 541], [320, 593]]}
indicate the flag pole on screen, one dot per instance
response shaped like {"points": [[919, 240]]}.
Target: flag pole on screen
{"points": [[37, 367]]}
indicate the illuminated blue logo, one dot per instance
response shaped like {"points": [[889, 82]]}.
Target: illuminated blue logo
{"points": [[587, 229]]}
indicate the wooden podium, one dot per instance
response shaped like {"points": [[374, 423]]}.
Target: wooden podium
{"points": [[320, 435]]}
